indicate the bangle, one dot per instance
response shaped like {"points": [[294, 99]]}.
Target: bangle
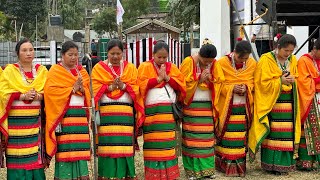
{"points": [[73, 90], [158, 80], [23, 97], [110, 87]]}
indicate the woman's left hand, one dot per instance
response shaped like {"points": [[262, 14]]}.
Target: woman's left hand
{"points": [[243, 90], [290, 79], [121, 84]]}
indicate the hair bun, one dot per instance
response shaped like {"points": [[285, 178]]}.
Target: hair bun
{"points": [[206, 41]]}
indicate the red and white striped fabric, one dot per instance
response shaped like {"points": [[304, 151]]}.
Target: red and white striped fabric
{"points": [[142, 50]]}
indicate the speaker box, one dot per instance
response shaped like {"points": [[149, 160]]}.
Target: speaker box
{"points": [[55, 20], [292, 12]]}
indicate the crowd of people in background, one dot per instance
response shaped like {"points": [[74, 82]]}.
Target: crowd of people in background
{"points": [[231, 107]]}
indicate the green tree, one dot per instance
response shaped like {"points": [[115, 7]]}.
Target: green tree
{"points": [[5, 27], [133, 9], [25, 12], [72, 13], [105, 21], [184, 13]]}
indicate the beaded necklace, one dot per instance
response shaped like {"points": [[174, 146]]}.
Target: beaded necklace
{"points": [[112, 69], [23, 74], [69, 69], [286, 65]]}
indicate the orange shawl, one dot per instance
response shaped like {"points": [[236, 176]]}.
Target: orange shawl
{"points": [[147, 71], [306, 84], [57, 94], [224, 94], [102, 76]]}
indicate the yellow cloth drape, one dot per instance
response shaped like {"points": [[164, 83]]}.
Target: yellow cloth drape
{"points": [[11, 82], [224, 94], [188, 69], [267, 86], [306, 84], [57, 94]]}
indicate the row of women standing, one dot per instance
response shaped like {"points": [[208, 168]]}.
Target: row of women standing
{"points": [[222, 100]]}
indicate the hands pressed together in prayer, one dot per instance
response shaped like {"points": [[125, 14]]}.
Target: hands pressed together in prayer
{"points": [[117, 84], [287, 79], [240, 89], [31, 95], [78, 85], [162, 74], [205, 76]]}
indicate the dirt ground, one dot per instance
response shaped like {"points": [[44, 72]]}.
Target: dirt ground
{"points": [[254, 171]]}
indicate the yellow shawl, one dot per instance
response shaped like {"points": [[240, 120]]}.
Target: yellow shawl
{"points": [[147, 71], [11, 83], [188, 69], [306, 84], [102, 77], [267, 85], [224, 94], [57, 95]]}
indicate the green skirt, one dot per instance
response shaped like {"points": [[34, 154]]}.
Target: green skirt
{"points": [[279, 161], [198, 167], [71, 170], [159, 170], [305, 161], [116, 168], [18, 174]]}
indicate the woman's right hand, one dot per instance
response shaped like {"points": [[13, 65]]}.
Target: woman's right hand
{"points": [[162, 73], [114, 85], [287, 79], [205, 76], [29, 96], [237, 89], [78, 85]]}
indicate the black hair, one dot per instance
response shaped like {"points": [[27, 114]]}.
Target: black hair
{"points": [[22, 41], [68, 45], [94, 53], [242, 48], [114, 43], [286, 40], [316, 44], [208, 51], [160, 45]]}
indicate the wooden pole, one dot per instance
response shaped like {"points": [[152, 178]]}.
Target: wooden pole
{"points": [[120, 31]]}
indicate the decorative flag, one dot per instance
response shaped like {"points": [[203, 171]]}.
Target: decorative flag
{"points": [[120, 12]]}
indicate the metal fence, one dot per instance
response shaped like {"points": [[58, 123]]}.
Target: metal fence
{"points": [[43, 52]]}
